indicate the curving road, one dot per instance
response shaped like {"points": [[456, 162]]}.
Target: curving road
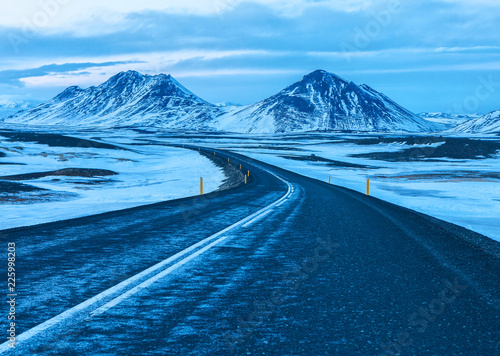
{"points": [[285, 265]]}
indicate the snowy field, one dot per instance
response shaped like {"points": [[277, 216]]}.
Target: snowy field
{"points": [[145, 174], [448, 180]]}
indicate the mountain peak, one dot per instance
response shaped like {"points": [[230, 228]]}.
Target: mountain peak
{"points": [[123, 76], [131, 73], [132, 77], [322, 75], [317, 72], [69, 93]]}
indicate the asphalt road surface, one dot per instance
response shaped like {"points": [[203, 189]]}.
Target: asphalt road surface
{"points": [[285, 265]]}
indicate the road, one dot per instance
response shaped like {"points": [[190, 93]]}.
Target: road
{"points": [[285, 265]]}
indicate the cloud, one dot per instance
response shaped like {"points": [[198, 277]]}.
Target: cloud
{"points": [[393, 52], [70, 14], [251, 46], [474, 67], [18, 77]]}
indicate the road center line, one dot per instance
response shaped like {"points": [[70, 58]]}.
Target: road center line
{"points": [[155, 278], [257, 218]]}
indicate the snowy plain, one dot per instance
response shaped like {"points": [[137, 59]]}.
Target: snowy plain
{"points": [[147, 173]]}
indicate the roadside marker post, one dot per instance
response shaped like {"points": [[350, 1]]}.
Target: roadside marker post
{"points": [[330, 180], [201, 186], [228, 160], [245, 179], [249, 173], [367, 187], [240, 166]]}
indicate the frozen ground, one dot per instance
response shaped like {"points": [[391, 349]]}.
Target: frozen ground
{"points": [[146, 173]]}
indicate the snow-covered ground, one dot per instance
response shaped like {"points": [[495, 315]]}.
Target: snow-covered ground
{"points": [[146, 174]]}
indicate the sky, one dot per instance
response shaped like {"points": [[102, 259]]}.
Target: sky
{"points": [[427, 55]]}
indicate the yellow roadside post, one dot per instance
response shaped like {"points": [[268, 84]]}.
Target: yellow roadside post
{"points": [[367, 187], [330, 180], [201, 186], [245, 179]]}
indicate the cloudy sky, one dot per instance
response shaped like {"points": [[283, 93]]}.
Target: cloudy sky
{"points": [[439, 55]]}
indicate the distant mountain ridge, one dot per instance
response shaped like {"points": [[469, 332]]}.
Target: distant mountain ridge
{"points": [[9, 107], [446, 120], [486, 124], [320, 101]]}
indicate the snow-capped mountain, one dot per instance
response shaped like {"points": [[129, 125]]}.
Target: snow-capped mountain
{"points": [[11, 106], [447, 121], [324, 101], [489, 123], [126, 99], [320, 101]]}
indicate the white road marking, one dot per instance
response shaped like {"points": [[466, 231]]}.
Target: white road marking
{"points": [[283, 202], [257, 218], [119, 287], [153, 279]]}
